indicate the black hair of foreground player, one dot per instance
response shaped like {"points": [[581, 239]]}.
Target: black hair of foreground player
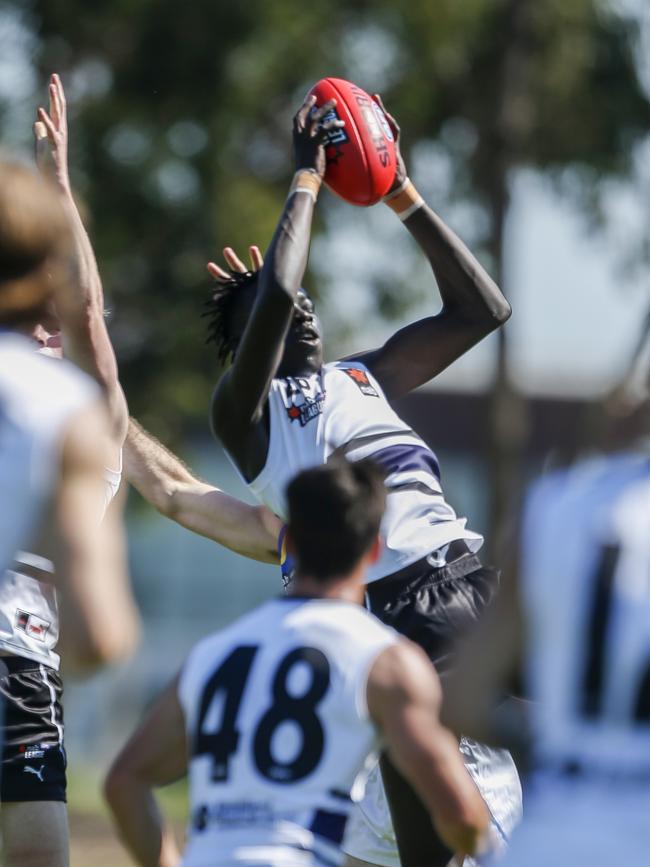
{"points": [[335, 512]]}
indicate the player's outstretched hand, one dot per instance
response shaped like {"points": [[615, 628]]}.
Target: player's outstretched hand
{"points": [[51, 134], [400, 170], [310, 130], [235, 264]]}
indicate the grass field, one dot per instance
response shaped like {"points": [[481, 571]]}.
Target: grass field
{"points": [[93, 842]]}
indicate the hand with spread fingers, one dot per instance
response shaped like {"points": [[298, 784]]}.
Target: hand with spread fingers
{"points": [[88, 342], [310, 131], [400, 170], [51, 134], [235, 264]]}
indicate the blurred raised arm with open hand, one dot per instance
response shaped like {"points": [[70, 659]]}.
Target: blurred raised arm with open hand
{"points": [[89, 344]]}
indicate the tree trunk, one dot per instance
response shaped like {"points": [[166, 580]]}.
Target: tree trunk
{"points": [[508, 417]]}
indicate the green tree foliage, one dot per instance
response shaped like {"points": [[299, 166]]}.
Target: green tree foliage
{"points": [[181, 137]]}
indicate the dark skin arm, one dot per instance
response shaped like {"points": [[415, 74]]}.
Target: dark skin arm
{"points": [[239, 400], [473, 306]]}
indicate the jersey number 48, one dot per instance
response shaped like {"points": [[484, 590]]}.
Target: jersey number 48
{"points": [[230, 680]]}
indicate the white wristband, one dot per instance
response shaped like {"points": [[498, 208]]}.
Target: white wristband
{"points": [[405, 200], [396, 192], [417, 204], [304, 190], [306, 181]]}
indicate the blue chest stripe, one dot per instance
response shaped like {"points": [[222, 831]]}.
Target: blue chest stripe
{"points": [[407, 458]]}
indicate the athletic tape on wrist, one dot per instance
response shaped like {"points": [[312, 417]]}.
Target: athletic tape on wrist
{"points": [[405, 200], [396, 192], [306, 181]]}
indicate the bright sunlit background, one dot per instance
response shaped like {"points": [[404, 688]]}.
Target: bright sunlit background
{"points": [[525, 124]]}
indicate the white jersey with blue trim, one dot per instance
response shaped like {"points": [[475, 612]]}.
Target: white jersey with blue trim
{"points": [[586, 598], [342, 410], [278, 731]]}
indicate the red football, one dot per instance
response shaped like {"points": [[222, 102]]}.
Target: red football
{"points": [[361, 155]]}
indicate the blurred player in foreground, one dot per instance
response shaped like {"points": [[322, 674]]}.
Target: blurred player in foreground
{"points": [[54, 442], [278, 712], [575, 621], [278, 409], [33, 817]]}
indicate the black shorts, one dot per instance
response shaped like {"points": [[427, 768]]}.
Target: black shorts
{"points": [[33, 756], [433, 607]]}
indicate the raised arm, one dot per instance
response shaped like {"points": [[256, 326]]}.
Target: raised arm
{"points": [[473, 304], [239, 399], [89, 345], [165, 481], [403, 700]]}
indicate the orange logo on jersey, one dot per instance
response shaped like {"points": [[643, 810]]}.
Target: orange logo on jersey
{"points": [[357, 375], [360, 378]]}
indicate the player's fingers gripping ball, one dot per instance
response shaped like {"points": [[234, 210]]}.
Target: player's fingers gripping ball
{"points": [[361, 158]]}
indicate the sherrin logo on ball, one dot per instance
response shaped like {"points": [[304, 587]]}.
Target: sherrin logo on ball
{"points": [[360, 157]]}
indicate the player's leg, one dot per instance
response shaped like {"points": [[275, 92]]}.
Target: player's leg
{"points": [[34, 834], [369, 837], [33, 817], [417, 841], [436, 610]]}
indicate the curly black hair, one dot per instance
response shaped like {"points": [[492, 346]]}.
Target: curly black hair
{"points": [[219, 311]]}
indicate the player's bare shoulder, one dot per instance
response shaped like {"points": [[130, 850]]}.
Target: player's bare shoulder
{"points": [[401, 673]]}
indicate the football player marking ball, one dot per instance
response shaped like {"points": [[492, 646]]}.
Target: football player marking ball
{"points": [[360, 156]]}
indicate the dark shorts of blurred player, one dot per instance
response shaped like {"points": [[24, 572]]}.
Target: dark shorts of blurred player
{"points": [[33, 755]]}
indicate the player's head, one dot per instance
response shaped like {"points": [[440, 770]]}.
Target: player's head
{"points": [[229, 310], [34, 253], [335, 512]]}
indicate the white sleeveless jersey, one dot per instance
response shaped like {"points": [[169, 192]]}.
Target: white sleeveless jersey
{"points": [[342, 411], [29, 617], [38, 397], [586, 597], [278, 730]]}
